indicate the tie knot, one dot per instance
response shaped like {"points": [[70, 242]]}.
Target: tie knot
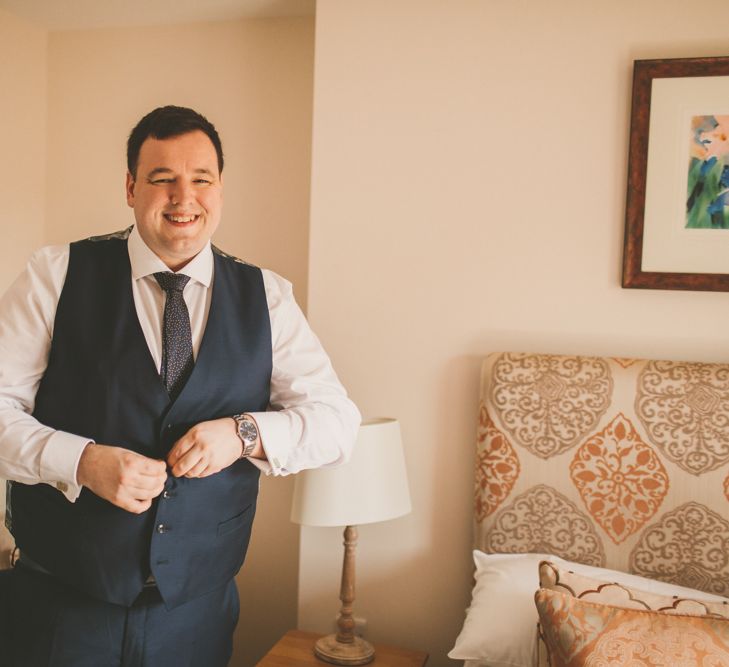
{"points": [[171, 282]]}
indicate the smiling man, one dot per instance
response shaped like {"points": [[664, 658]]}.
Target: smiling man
{"points": [[146, 378], [176, 191]]}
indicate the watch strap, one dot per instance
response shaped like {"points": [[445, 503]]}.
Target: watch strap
{"points": [[247, 432]]}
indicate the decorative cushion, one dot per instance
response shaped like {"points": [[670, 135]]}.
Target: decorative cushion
{"points": [[557, 578], [579, 633], [500, 625], [611, 462]]}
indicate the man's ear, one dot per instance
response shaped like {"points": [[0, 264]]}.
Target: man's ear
{"points": [[130, 190]]}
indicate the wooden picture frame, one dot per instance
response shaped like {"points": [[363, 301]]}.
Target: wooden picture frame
{"points": [[662, 250]]}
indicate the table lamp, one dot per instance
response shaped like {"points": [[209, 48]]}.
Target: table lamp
{"points": [[371, 487]]}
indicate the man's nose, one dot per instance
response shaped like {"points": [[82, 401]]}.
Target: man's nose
{"points": [[181, 194]]}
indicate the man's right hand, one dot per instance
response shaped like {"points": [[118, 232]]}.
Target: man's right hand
{"points": [[124, 478]]}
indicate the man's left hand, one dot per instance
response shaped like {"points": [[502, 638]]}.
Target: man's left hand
{"points": [[207, 448]]}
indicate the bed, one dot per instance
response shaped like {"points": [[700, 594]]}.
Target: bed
{"points": [[601, 514]]}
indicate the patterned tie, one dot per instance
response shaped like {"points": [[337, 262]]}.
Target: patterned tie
{"points": [[177, 360]]}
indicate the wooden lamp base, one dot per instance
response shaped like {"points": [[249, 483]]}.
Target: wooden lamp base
{"points": [[357, 652], [344, 647]]}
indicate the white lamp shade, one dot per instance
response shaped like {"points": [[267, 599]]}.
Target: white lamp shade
{"points": [[371, 487]]}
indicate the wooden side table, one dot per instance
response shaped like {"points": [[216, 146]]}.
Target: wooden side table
{"points": [[295, 649]]}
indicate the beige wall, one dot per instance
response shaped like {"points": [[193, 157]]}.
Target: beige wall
{"points": [[23, 122], [23, 150], [254, 80], [468, 191]]}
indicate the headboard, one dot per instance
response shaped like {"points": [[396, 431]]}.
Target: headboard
{"points": [[619, 463]]}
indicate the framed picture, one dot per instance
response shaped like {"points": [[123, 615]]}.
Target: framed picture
{"points": [[677, 213]]}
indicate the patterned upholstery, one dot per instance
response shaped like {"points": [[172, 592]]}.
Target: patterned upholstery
{"points": [[619, 463], [579, 633], [558, 578]]}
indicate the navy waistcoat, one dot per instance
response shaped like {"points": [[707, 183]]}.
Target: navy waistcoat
{"points": [[101, 382]]}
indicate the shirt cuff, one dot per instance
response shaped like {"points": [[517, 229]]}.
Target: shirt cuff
{"points": [[59, 462], [274, 430]]}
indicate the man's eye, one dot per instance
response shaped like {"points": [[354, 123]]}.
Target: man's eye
{"points": [[160, 181], [204, 181]]}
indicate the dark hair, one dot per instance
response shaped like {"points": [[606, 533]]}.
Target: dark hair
{"points": [[166, 122]]}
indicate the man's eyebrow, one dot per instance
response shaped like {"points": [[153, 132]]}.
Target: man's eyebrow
{"points": [[159, 170], [167, 170]]}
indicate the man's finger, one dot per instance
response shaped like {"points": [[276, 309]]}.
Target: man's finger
{"points": [[144, 494], [140, 480], [153, 467], [136, 505], [180, 448], [131, 502], [186, 463], [195, 471], [146, 485]]}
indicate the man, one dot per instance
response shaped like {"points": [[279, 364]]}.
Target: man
{"points": [[136, 373]]}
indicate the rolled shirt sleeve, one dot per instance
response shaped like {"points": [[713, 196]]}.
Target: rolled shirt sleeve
{"points": [[311, 422]]}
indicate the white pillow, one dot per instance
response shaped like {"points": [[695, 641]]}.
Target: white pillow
{"points": [[500, 625]]}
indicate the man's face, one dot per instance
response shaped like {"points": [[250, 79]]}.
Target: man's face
{"points": [[177, 196]]}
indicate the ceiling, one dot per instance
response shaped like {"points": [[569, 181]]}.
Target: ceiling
{"points": [[83, 14]]}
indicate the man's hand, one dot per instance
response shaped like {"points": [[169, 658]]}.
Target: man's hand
{"points": [[124, 478], [207, 448]]}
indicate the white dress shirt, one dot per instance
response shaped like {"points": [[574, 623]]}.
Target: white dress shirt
{"points": [[310, 421]]}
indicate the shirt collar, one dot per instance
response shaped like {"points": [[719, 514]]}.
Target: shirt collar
{"points": [[144, 262]]}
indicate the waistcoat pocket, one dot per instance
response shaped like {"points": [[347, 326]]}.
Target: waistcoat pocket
{"points": [[234, 522]]}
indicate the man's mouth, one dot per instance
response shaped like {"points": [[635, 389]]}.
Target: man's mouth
{"points": [[181, 219]]}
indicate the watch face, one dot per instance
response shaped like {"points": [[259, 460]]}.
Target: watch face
{"points": [[247, 430]]}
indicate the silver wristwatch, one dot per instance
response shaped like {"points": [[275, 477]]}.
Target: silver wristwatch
{"points": [[248, 433]]}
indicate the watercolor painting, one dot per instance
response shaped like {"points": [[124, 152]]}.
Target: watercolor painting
{"points": [[707, 203], [678, 176]]}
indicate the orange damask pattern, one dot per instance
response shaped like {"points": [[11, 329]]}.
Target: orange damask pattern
{"points": [[689, 547], [582, 634], [542, 520], [548, 403], [620, 479], [649, 489], [497, 467], [684, 408]]}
